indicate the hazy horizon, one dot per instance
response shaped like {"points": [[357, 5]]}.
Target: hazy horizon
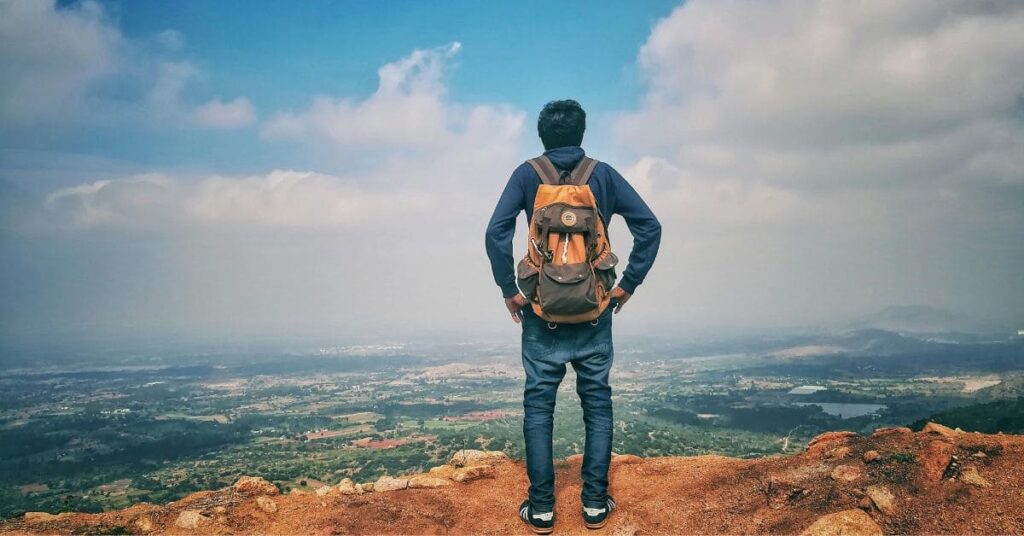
{"points": [[329, 174]]}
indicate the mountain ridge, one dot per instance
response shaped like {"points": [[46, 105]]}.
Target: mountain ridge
{"points": [[934, 481]]}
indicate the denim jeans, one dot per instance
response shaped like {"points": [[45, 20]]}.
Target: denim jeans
{"points": [[546, 350]]}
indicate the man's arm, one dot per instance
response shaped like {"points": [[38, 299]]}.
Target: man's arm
{"points": [[644, 227], [502, 227]]}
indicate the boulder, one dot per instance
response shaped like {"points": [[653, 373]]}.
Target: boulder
{"points": [[872, 456], [472, 457], [324, 490], [254, 485], [461, 474], [838, 453], [938, 429], [39, 517], [883, 499], [387, 483], [891, 430], [266, 504], [846, 523], [971, 476], [935, 458], [979, 454], [348, 487], [846, 473], [575, 458], [830, 437], [143, 524], [190, 519], [626, 459], [427, 481]]}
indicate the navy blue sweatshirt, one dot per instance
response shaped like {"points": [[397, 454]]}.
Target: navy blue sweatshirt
{"points": [[614, 196]]}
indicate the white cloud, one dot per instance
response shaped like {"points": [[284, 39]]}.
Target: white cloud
{"points": [[813, 159], [51, 57], [170, 39], [281, 198], [408, 109], [171, 79], [226, 114]]}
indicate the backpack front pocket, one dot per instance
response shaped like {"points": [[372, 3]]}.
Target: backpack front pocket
{"points": [[567, 289], [527, 274]]}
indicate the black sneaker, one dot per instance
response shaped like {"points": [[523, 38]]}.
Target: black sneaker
{"points": [[595, 518], [540, 522]]}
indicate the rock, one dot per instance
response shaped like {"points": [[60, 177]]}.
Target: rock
{"points": [[467, 474], [872, 456], [366, 486], [626, 459], [39, 517], [254, 485], [846, 473], [427, 481], [865, 504], [348, 487], [845, 523], [938, 429], [461, 474], [190, 519], [891, 430], [883, 499], [971, 476], [387, 483], [979, 454], [575, 458], [143, 524], [471, 457], [266, 504], [838, 453], [830, 437], [935, 458], [324, 490], [297, 491]]}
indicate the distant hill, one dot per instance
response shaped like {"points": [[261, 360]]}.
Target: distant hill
{"points": [[936, 481], [919, 319]]}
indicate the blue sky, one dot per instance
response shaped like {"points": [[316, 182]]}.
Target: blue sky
{"points": [[277, 56], [216, 168]]}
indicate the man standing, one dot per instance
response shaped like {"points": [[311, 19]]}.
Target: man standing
{"points": [[548, 346]]}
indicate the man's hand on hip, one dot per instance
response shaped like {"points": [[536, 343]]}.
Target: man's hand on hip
{"points": [[515, 306], [621, 297]]}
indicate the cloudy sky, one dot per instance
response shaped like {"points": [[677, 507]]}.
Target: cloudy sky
{"points": [[235, 170]]}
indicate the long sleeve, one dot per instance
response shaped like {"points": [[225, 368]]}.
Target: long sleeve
{"points": [[500, 231], [643, 225]]}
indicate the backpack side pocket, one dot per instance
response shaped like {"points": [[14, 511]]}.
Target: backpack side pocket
{"points": [[604, 269], [527, 275]]}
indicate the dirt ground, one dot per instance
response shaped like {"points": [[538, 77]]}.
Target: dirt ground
{"points": [[929, 477]]}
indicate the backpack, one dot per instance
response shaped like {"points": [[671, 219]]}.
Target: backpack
{"points": [[569, 269]]}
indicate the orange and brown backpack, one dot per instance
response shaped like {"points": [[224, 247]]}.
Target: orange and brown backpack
{"points": [[569, 269]]}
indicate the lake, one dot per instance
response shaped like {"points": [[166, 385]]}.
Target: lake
{"points": [[844, 410]]}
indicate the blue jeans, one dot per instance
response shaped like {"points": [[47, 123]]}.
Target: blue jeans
{"points": [[546, 350]]}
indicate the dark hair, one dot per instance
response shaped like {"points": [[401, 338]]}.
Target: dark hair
{"points": [[561, 123]]}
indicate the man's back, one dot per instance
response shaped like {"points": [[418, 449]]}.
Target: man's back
{"points": [[548, 346]]}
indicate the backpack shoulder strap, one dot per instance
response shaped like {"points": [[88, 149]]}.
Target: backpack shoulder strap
{"points": [[544, 168], [583, 170]]}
